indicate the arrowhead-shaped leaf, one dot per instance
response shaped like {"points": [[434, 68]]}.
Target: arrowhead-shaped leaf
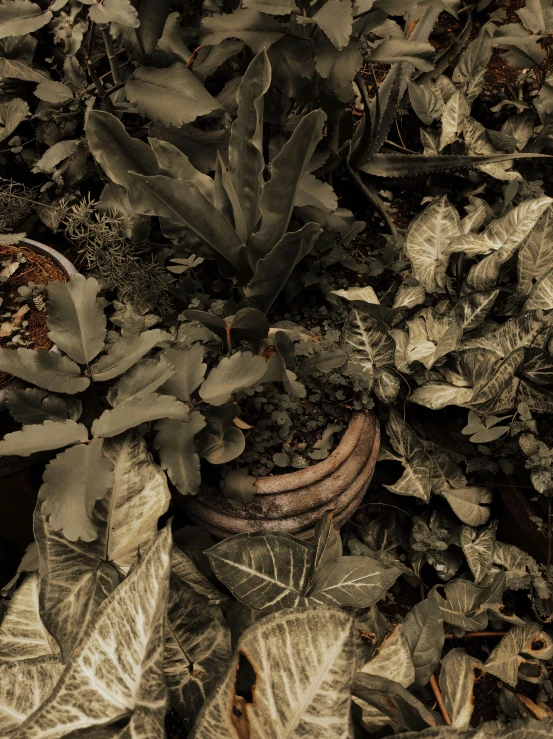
{"points": [[352, 581], [521, 644], [457, 680]]}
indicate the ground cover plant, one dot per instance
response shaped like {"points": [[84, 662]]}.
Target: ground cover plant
{"points": [[284, 214]]}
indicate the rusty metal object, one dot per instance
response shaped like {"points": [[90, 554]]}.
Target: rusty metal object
{"points": [[295, 502]]}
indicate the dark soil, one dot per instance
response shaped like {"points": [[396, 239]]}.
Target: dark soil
{"points": [[40, 270]]}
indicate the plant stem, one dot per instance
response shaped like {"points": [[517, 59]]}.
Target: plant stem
{"points": [[372, 196], [439, 700], [101, 90], [477, 634], [112, 56]]}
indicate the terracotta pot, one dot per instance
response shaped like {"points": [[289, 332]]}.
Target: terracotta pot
{"points": [[295, 502], [65, 266]]}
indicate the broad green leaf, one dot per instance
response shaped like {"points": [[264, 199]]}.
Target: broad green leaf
{"points": [[392, 699], [153, 16], [417, 465], [537, 16], [469, 504], [365, 294], [144, 378], [22, 633], [265, 571], [255, 29], [432, 336], [45, 369], [472, 64], [427, 240], [174, 160], [41, 437], [246, 162], [31, 405], [541, 297], [171, 96], [279, 194], [536, 254], [78, 576], [20, 17], [53, 92], [424, 101], [240, 371], [126, 352], [24, 686], [189, 371], [116, 151], [132, 413], [71, 485], [436, 395], [423, 628], [184, 205], [503, 237], [76, 321], [462, 599], [304, 662], [457, 680], [335, 19], [473, 308], [516, 333], [274, 7], [357, 582], [221, 442], [175, 442], [394, 50], [118, 667], [453, 115], [522, 644], [121, 12], [393, 659], [338, 67], [273, 271], [197, 648], [183, 566], [479, 547], [327, 542], [12, 112], [499, 391]]}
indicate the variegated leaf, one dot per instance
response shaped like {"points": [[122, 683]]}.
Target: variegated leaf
{"points": [[304, 663], [427, 240], [457, 680], [473, 308], [265, 571], [197, 647], [436, 395], [358, 582], [541, 297], [521, 644], [22, 633], [478, 547], [118, 669], [462, 599], [78, 576], [516, 333], [469, 504], [24, 686], [416, 478], [431, 336], [424, 631], [453, 115], [393, 659], [536, 254]]}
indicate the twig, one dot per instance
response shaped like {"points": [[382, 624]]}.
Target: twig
{"points": [[374, 199], [439, 700], [193, 56], [108, 43], [101, 90], [477, 634]]}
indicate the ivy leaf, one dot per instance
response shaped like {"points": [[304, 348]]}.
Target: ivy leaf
{"points": [[423, 628], [121, 12], [189, 371], [416, 478], [312, 649], [45, 369], [265, 571], [76, 321], [522, 644], [125, 352], [393, 700], [31, 406], [171, 97], [427, 238], [72, 483], [241, 371], [469, 504], [132, 413], [119, 661], [335, 19], [78, 576], [536, 254], [255, 29], [142, 379], [358, 582], [479, 547], [457, 680], [24, 686], [43, 437], [22, 633], [20, 17], [197, 648], [175, 441]]}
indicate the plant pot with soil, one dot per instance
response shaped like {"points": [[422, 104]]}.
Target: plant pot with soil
{"points": [[25, 269]]}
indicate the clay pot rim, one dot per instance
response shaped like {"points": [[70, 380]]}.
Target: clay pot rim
{"points": [[64, 264]]}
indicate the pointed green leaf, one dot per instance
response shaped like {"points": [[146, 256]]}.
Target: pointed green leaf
{"points": [[358, 582], [479, 547], [469, 504], [423, 628], [453, 115], [417, 465], [457, 680], [393, 659], [462, 599], [335, 19], [255, 29], [392, 699], [45, 369], [536, 254], [521, 644], [76, 320]]}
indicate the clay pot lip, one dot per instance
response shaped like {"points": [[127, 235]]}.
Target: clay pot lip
{"points": [[64, 264]]}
